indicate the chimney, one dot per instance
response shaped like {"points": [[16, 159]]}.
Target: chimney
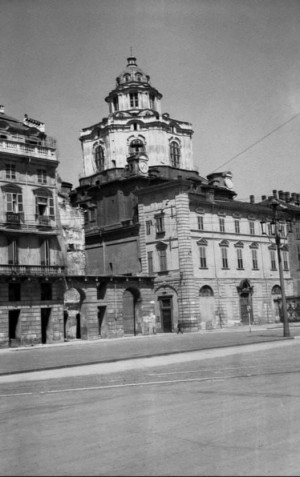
{"points": [[252, 200], [287, 196], [294, 197], [275, 194], [281, 195], [2, 109], [298, 199], [263, 197]]}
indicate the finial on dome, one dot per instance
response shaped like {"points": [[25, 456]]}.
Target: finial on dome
{"points": [[132, 59]]}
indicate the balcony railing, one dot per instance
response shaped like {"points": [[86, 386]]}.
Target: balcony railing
{"points": [[13, 218], [33, 270], [25, 149]]}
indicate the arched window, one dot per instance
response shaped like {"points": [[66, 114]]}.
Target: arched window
{"points": [[276, 290], [99, 158], [175, 154], [206, 291], [136, 146]]}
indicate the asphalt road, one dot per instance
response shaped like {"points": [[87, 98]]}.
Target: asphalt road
{"points": [[231, 411]]}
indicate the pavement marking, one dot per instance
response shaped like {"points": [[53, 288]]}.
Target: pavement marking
{"points": [[15, 394]]}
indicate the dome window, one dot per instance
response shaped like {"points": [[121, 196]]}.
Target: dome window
{"points": [[138, 77], [99, 158], [136, 146], [175, 154], [151, 97], [127, 77], [134, 100]]}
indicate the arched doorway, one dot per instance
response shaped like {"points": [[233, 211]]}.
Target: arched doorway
{"points": [[207, 307], [130, 299], [245, 291]]}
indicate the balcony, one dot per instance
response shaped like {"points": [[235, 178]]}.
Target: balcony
{"points": [[32, 270], [13, 218], [44, 220], [20, 149]]}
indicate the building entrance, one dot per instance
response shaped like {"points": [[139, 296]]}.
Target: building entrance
{"points": [[13, 321], [166, 313], [245, 291], [45, 315]]}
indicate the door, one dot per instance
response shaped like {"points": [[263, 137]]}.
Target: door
{"points": [[246, 308], [128, 312], [13, 321], [166, 313], [45, 315], [78, 327]]}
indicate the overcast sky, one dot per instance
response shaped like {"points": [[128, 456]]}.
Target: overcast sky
{"points": [[230, 67]]}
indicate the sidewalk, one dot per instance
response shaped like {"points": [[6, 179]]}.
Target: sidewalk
{"points": [[80, 353]]}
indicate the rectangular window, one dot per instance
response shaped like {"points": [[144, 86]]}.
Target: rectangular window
{"points": [[224, 257], [10, 171], [237, 226], [45, 253], [42, 176], [200, 222], [134, 100], [151, 101], [14, 291], [240, 264], [44, 206], [254, 260], [150, 262], [46, 291], [13, 252], [252, 227], [202, 253], [273, 260], [285, 256], [160, 224], [116, 103], [148, 227], [14, 202], [222, 224], [162, 254]]}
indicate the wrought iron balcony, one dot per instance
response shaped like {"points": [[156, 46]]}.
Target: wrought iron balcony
{"points": [[32, 270], [13, 218]]}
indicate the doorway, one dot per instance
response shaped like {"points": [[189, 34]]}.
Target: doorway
{"points": [[101, 315], [166, 313], [245, 291], [78, 327], [13, 321], [45, 315]]}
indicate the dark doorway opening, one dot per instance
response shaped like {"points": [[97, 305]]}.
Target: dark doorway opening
{"points": [[78, 327], [101, 314], [166, 313], [66, 315], [13, 320], [45, 315]]}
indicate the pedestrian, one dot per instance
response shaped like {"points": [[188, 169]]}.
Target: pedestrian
{"points": [[179, 328]]}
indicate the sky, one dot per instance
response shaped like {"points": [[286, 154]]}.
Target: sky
{"points": [[230, 67]]}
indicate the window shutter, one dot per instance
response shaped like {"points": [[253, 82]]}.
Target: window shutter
{"points": [[20, 203], [51, 207], [9, 204], [36, 206]]}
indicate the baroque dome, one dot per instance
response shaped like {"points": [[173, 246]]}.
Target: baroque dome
{"points": [[132, 73]]}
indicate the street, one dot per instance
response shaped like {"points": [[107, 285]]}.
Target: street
{"points": [[234, 412]]}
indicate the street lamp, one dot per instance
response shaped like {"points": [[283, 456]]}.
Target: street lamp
{"points": [[276, 232]]}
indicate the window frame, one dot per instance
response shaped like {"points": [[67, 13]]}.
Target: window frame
{"points": [[224, 256], [254, 259], [202, 256], [174, 154], [222, 224], [134, 100], [240, 261], [10, 171]]}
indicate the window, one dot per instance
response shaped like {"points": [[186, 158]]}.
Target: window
{"points": [[44, 206], [42, 176], [14, 202], [298, 255], [136, 146], [101, 290], [160, 224], [99, 158], [151, 97], [116, 103], [148, 227], [285, 255], [252, 227], [202, 253], [200, 222], [224, 257], [14, 291], [237, 226], [254, 260], [222, 224], [240, 264], [10, 171], [162, 255], [175, 154], [134, 100], [45, 253], [13, 252], [273, 260], [46, 291], [150, 262], [206, 291]]}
